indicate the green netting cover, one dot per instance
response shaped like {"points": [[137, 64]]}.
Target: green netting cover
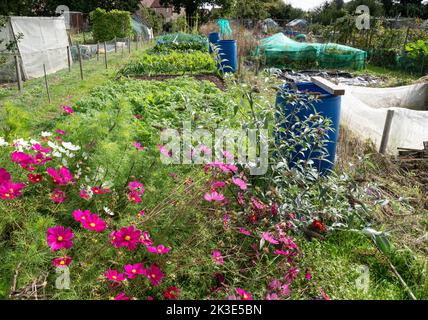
{"points": [[279, 50]]}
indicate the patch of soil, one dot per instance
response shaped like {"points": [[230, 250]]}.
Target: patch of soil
{"points": [[208, 77]]}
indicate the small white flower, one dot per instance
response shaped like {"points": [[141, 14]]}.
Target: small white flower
{"points": [[52, 145], [108, 211], [57, 154], [21, 144], [70, 146], [3, 142], [46, 134]]}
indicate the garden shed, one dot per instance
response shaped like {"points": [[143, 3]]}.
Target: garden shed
{"points": [[40, 41]]}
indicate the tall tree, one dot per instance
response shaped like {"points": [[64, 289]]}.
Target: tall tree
{"points": [[191, 6]]}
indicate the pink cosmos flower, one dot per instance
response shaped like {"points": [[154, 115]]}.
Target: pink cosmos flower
{"points": [[97, 190], [136, 186], [291, 274], [308, 276], [133, 270], [114, 276], [40, 159], [60, 132], [135, 197], [154, 274], [84, 194], [215, 196], [274, 284], [58, 238], [160, 249], [274, 209], [94, 223], [217, 257], [244, 295], [121, 296], [282, 252], [24, 160], [257, 204], [10, 190], [241, 200], [62, 176], [145, 239], [38, 147], [141, 213], [62, 261], [324, 295], [35, 178], [150, 298], [80, 215], [240, 183], [126, 237], [58, 196], [171, 293], [269, 238], [4, 176], [244, 231], [217, 184], [138, 146], [164, 151], [228, 155], [67, 109], [285, 290], [272, 296]]}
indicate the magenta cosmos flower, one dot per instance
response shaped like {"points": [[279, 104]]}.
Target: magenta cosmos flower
{"points": [[121, 296], [164, 151], [240, 183], [160, 249], [269, 238], [10, 190], [4, 176], [138, 146], [58, 196], [94, 223], [67, 109], [145, 239], [24, 160], [215, 196], [126, 237], [62, 176], [217, 257], [133, 270], [62, 261], [154, 274], [80, 215], [244, 295], [35, 178], [244, 231], [114, 276], [59, 238]]}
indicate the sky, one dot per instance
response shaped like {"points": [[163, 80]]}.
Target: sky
{"points": [[305, 4], [310, 4]]}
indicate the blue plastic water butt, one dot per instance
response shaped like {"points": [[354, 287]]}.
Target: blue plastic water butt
{"points": [[328, 106], [213, 38], [228, 52]]}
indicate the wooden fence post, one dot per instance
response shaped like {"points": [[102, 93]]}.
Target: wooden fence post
{"points": [[105, 54], [80, 61], [129, 45], [386, 131], [98, 51], [115, 44], [18, 73], [46, 83], [68, 59]]}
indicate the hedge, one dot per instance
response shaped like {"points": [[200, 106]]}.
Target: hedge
{"points": [[108, 25]]}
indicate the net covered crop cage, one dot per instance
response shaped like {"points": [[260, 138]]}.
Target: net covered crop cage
{"points": [[281, 51]]}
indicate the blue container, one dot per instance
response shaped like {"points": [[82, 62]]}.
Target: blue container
{"points": [[213, 38], [328, 106], [228, 52]]}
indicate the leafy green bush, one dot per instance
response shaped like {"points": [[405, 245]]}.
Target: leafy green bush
{"points": [[172, 63], [181, 42], [108, 25], [153, 19]]}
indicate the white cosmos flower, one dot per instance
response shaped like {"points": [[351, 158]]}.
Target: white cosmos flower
{"points": [[108, 211], [3, 142], [70, 146], [46, 134]]}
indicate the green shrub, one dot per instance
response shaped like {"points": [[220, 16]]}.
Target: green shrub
{"points": [[153, 19], [108, 25]]}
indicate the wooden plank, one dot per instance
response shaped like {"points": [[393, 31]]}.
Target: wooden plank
{"points": [[329, 86], [386, 131]]}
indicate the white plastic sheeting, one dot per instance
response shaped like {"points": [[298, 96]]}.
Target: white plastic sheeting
{"points": [[44, 41], [364, 112]]}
